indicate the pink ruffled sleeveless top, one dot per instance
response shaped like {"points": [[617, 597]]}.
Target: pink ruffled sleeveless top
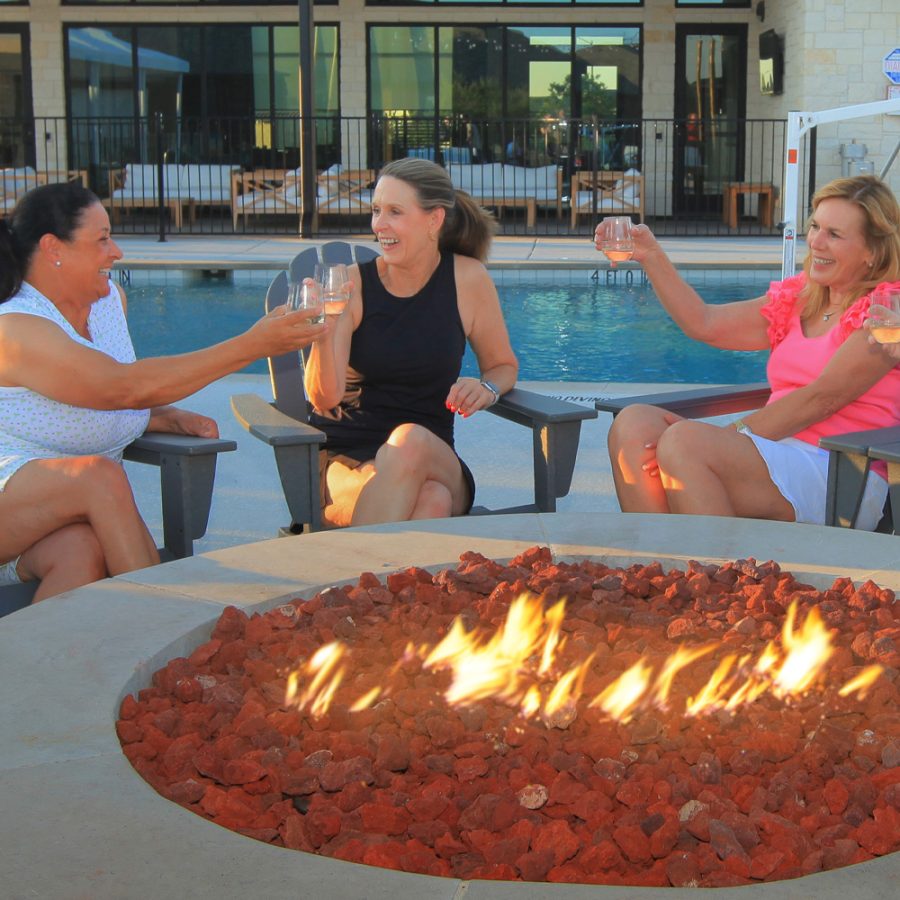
{"points": [[796, 360]]}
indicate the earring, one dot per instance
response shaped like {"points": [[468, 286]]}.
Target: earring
{"points": [[57, 264]]}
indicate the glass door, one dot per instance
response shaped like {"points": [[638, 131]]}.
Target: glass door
{"points": [[710, 106], [16, 126]]}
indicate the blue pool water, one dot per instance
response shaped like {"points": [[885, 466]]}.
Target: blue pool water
{"points": [[573, 326]]}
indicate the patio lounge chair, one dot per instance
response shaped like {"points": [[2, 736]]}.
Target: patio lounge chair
{"points": [[191, 185], [187, 470], [849, 455], [15, 183], [555, 424], [276, 192], [502, 185], [603, 193]]}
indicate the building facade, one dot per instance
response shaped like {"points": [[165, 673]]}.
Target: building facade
{"points": [[695, 64]]}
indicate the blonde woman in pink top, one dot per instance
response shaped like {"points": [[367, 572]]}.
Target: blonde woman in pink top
{"points": [[826, 377]]}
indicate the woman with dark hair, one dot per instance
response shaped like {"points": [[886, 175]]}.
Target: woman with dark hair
{"points": [[826, 378], [385, 381], [72, 395]]}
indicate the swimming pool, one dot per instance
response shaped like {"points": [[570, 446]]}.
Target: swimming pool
{"points": [[566, 325]]}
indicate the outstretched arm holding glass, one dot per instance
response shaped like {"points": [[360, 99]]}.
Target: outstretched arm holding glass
{"points": [[73, 396], [825, 376]]}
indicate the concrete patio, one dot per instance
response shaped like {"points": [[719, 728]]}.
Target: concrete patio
{"points": [[78, 822]]}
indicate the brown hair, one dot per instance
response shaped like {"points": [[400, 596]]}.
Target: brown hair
{"points": [[881, 231], [468, 229]]}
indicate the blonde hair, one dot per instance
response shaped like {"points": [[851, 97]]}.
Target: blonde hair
{"points": [[881, 232], [468, 229]]}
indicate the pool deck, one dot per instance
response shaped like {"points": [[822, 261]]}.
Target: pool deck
{"points": [[272, 252]]}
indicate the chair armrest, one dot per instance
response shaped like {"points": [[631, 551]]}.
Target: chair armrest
{"points": [[151, 445], [270, 425], [556, 429], [700, 403], [187, 470], [873, 441], [849, 461], [296, 446]]}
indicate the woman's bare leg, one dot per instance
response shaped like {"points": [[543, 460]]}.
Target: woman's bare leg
{"points": [[635, 474], [64, 560], [713, 471], [414, 475], [45, 495]]}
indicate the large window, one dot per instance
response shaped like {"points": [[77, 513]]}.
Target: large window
{"points": [[225, 93], [16, 140], [500, 91], [515, 2]]}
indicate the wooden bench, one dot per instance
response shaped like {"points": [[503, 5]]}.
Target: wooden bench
{"points": [[765, 209]]}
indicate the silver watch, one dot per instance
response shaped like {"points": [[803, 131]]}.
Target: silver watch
{"points": [[493, 389]]}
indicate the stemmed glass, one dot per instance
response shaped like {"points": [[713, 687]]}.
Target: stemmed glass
{"points": [[306, 294], [884, 316], [616, 242], [335, 286]]}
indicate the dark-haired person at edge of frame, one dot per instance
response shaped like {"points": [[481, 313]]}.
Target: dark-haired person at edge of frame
{"points": [[72, 395], [826, 378], [385, 382]]}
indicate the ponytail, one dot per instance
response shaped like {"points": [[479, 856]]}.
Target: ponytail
{"points": [[468, 228]]}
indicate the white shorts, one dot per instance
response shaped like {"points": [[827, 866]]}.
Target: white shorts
{"points": [[8, 573], [800, 472]]}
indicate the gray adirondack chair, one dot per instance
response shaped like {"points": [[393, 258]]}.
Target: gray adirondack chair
{"points": [[555, 425], [187, 470], [849, 455]]}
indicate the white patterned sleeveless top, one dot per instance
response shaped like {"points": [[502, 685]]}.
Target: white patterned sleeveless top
{"points": [[33, 426]]}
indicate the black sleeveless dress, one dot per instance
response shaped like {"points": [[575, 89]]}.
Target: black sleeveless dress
{"points": [[405, 355]]}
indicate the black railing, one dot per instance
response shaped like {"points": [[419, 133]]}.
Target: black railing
{"points": [[541, 176]]}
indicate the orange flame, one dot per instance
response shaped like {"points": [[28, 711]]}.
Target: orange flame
{"points": [[518, 665]]}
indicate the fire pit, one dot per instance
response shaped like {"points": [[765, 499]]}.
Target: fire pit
{"points": [[82, 821], [544, 721]]}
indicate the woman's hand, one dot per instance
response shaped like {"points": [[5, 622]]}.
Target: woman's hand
{"points": [[649, 463], [283, 330], [641, 236], [882, 317], [469, 395], [172, 420]]}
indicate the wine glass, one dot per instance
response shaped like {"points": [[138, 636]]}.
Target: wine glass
{"points": [[884, 316], [334, 282], [616, 242], [306, 295]]}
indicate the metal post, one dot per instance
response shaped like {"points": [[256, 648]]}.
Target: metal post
{"points": [[160, 184], [307, 118], [798, 124]]}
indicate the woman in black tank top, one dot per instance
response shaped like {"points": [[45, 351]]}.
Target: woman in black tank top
{"points": [[384, 381]]}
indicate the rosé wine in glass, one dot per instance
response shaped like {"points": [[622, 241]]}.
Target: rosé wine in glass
{"points": [[616, 242]]}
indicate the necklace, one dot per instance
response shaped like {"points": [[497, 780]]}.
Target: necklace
{"points": [[827, 316]]}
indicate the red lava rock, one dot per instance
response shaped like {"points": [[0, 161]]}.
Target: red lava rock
{"points": [[558, 837], [382, 819], [777, 789], [683, 870], [634, 844]]}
